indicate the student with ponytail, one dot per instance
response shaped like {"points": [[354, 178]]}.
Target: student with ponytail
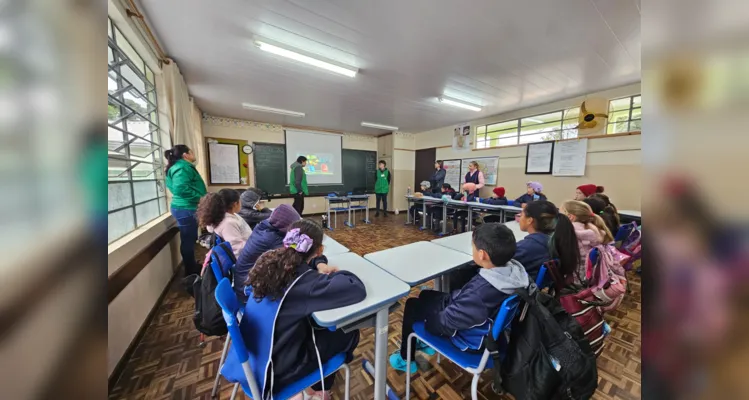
{"points": [[217, 212], [550, 235], [187, 187], [293, 282], [590, 229], [606, 211]]}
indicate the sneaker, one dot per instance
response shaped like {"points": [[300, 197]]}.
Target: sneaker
{"points": [[385, 214], [377, 214], [424, 348], [399, 364]]}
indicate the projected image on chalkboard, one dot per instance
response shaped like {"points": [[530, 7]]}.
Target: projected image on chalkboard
{"points": [[319, 164]]}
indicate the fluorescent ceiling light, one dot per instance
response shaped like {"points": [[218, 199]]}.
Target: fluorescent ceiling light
{"points": [[340, 69], [378, 126], [456, 103], [256, 107]]}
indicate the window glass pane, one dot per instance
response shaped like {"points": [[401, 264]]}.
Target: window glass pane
{"points": [[572, 113], [619, 104], [119, 223], [636, 113], [610, 128], [162, 205], [144, 171], [569, 133], [129, 50], [109, 27], [548, 127], [481, 129], [136, 103], [133, 78], [147, 211], [506, 141], [637, 101], [115, 168], [570, 123], [141, 150], [540, 137], [144, 191], [119, 195], [619, 116], [635, 125], [149, 75], [541, 119], [502, 134], [110, 56], [618, 127], [481, 143], [502, 126]]}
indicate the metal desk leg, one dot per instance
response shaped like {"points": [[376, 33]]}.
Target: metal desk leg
{"points": [[424, 215], [470, 218], [381, 352], [349, 222], [408, 211], [444, 219], [438, 284], [366, 212]]}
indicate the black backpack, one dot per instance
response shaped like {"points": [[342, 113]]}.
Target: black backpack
{"points": [[208, 317], [548, 356]]}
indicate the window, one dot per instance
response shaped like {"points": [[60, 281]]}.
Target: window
{"points": [[538, 128], [625, 115], [135, 151]]}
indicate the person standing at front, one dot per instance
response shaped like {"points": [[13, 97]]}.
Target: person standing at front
{"points": [[187, 187], [298, 183], [382, 187]]}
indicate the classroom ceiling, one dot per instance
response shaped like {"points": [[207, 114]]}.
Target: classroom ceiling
{"points": [[503, 55]]}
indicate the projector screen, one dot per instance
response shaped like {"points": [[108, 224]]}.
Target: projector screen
{"points": [[323, 152]]}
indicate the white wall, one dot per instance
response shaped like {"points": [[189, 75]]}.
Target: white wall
{"points": [[251, 131]]}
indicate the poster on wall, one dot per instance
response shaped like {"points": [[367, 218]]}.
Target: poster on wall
{"points": [[538, 158], [488, 165], [452, 167], [462, 137], [570, 157]]}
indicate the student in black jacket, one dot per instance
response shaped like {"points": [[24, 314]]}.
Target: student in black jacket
{"points": [[438, 177], [252, 210]]}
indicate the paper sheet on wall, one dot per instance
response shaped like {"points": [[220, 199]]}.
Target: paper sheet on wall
{"points": [[570, 157], [224, 162], [453, 172], [488, 165], [539, 157]]}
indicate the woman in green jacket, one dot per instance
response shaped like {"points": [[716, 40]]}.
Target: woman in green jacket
{"points": [[187, 187]]}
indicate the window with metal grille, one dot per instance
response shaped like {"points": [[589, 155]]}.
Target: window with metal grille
{"points": [[625, 115]]}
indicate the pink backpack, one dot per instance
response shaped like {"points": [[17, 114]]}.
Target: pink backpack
{"points": [[605, 276]]}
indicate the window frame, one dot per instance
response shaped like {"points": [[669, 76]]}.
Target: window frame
{"points": [[519, 129], [630, 109], [127, 113]]}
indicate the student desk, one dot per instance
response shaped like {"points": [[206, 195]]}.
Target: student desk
{"points": [[337, 204], [362, 202], [490, 209], [332, 247], [418, 262], [631, 215], [423, 200], [462, 242], [383, 290]]}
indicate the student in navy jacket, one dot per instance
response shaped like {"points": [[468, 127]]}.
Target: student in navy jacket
{"points": [[464, 316], [541, 219], [425, 191], [267, 235], [533, 192], [498, 199], [470, 194], [445, 190], [315, 286]]}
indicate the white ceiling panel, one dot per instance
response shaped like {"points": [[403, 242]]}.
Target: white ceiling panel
{"points": [[502, 55]]}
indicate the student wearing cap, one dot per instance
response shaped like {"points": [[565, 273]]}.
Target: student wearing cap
{"points": [[584, 191], [498, 197], [252, 210], [425, 191], [267, 235], [534, 191]]}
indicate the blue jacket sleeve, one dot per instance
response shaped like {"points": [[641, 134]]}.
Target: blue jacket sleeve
{"points": [[318, 260], [464, 311], [338, 289]]}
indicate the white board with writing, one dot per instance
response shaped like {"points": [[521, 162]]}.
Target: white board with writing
{"points": [[488, 165], [570, 157], [538, 158], [224, 163], [452, 167]]}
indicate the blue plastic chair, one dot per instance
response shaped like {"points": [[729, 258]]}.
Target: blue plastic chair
{"points": [[510, 202], [472, 363], [540, 277], [238, 369], [222, 262]]}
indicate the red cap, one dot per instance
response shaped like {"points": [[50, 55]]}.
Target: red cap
{"points": [[589, 189], [499, 191]]}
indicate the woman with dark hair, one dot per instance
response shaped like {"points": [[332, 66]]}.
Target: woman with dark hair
{"points": [[438, 177], [287, 285], [606, 211], [187, 187], [218, 213]]}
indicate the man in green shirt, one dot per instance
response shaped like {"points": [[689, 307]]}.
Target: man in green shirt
{"points": [[298, 183], [382, 187]]}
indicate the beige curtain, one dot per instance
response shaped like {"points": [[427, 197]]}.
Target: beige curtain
{"points": [[184, 115]]}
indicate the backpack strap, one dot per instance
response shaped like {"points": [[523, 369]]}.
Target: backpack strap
{"points": [[493, 348]]}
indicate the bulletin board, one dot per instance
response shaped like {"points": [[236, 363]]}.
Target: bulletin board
{"points": [[243, 163]]}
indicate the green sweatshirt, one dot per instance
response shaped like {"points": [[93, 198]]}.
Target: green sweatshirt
{"points": [[298, 179], [186, 185]]}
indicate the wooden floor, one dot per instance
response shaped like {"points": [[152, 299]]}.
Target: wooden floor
{"points": [[168, 364]]}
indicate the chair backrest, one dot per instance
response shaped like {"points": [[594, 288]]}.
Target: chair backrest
{"points": [[332, 194], [510, 202], [540, 277], [222, 259], [505, 315], [230, 306]]}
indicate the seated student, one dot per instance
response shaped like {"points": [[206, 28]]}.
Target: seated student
{"points": [[290, 274], [533, 193], [497, 199], [470, 194], [607, 212], [464, 316], [445, 190], [585, 191], [217, 212], [252, 210], [425, 191], [550, 235], [590, 230], [267, 235]]}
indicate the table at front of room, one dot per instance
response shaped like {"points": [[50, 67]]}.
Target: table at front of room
{"points": [[358, 199], [383, 290], [332, 247], [462, 242], [333, 201]]}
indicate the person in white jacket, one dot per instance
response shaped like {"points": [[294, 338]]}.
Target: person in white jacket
{"points": [[217, 212]]}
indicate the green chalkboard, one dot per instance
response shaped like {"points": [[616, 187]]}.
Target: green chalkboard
{"points": [[271, 171]]}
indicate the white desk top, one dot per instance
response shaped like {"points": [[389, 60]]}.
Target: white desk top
{"points": [[631, 213], [332, 247], [382, 290], [418, 262], [462, 242]]}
